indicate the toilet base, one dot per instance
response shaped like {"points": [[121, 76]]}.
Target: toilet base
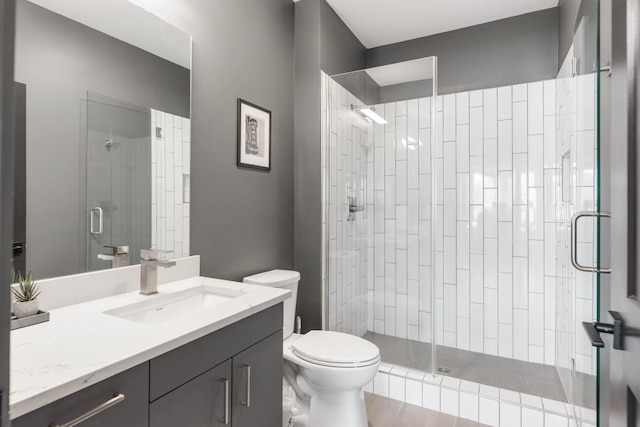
{"points": [[338, 408]]}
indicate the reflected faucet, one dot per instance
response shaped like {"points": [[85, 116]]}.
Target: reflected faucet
{"points": [[119, 256], [149, 264]]}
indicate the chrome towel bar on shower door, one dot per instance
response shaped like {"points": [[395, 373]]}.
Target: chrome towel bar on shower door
{"points": [[574, 242], [100, 221]]}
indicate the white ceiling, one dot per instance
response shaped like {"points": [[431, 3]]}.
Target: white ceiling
{"points": [[382, 22]]}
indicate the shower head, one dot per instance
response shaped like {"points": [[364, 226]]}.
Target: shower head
{"points": [[369, 114]]}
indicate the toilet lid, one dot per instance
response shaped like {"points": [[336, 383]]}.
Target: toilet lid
{"points": [[335, 349]]}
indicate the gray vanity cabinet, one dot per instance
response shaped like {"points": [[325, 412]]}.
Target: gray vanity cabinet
{"points": [[202, 402], [127, 392]]}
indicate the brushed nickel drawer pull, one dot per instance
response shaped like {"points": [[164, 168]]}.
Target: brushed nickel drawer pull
{"points": [[92, 413], [225, 416], [247, 402]]}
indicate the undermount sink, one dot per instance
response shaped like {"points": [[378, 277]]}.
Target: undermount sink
{"points": [[168, 307]]}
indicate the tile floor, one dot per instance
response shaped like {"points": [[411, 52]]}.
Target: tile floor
{"points": [[384, 412]]}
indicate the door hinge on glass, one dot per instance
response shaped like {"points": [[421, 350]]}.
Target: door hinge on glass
{"points": [[616, 329]]}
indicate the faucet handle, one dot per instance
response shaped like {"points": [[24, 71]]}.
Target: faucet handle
{"points": [[118, 250], [152, 254]]}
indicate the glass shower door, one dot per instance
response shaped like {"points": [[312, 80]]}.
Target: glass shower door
{"points": [[577, 142], [378, 169], [118, 179]]}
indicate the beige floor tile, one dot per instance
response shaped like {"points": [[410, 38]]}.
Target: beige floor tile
{"points": [[380, 410]]}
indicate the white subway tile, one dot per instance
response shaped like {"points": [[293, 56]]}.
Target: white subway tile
{"points": [[520, 179], [381, 384], [462, 108], [462, 333], [450, 260], [491, 315], [469, 406], [476, 272], [536, 213], [450, 212], [536, 161], [490, 263], [489, 412], [425, 112], [396, 388], [550, 142], [462, 298], [490, 107], [462, 245], [520, 231], [505, 145], [520, 129], [401, 138], [475, 98], [476, 177], [536, 108], [520, 335], [520, 92], [505, 196], [424, 151], [520, 283], [536, 319], [449, 403], [450, 164], [449, 117], [491, 213], [505, 298], [550, 97], [490, 163], [390, 116], [413, 122], [463, 197], [476, 230], [413, 172], [413, 392], [431, 397], [505, 339], [476, 131], [536, 266], [532, 418], [550, 303], [586, 102], [462, 148], [504, 103], [477, 328], [505, 247]]}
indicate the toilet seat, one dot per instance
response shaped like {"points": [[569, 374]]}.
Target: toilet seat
{"points": [[335, 349]]}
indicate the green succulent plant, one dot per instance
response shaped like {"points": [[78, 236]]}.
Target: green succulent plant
{"points": [[27, 289]]}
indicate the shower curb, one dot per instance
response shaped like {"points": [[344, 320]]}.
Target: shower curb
{"points": [[481, 403]]}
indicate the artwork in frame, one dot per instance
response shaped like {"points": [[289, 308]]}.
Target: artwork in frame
{"points": [[254, 136]]}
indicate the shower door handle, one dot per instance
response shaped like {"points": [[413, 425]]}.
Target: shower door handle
{"points": [[594, 329], [574, 242], [100, 221]]}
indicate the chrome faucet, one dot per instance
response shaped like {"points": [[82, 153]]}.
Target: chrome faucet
{"points": [[149, 264], [119, 256]]}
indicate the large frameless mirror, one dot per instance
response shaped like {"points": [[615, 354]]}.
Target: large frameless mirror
{"points": [[103, 165]]}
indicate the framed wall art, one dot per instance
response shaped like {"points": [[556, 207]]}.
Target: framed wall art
{"points": [[254, 136]]}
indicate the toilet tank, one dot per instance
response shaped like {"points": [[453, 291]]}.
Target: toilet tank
{"points": [[285, 279]]}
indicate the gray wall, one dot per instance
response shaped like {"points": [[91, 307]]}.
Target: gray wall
{"points": [[567, 15], [60, 60], [241, 219], [510, 51], [322, 42]]}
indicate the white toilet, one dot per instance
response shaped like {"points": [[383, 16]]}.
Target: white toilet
{"points": [[327, 369]]}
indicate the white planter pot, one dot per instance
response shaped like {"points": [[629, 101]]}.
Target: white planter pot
{"points": [[26, 309]]}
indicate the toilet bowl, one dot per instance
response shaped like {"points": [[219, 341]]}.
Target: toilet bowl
{"points": [[327, 370]]}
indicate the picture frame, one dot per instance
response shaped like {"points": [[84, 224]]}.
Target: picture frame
{"points": [[254, 136]]}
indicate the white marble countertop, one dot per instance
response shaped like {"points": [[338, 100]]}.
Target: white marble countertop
{"points": [[81, 345]]}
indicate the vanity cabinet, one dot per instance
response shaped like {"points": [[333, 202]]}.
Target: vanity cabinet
{"points": [[130, 411], [231, 377], [241, 392]]}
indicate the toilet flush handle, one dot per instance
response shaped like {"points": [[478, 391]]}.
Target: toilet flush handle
{"points": [[298, 325]]}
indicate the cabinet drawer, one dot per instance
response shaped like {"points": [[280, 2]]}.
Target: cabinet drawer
{"points": [[130, 412], [185, 363]]}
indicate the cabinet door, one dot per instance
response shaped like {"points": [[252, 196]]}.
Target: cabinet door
{"points": [[257, 384], [202, 402]]}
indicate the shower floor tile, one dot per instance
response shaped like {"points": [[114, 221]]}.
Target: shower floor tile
{"points": [[385, 412], [504, 373]]}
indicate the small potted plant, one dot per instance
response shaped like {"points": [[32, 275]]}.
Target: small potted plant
{"points": [[26, 294]]}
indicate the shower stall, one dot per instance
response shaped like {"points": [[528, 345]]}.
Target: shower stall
{"points": [[447, 236]]}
